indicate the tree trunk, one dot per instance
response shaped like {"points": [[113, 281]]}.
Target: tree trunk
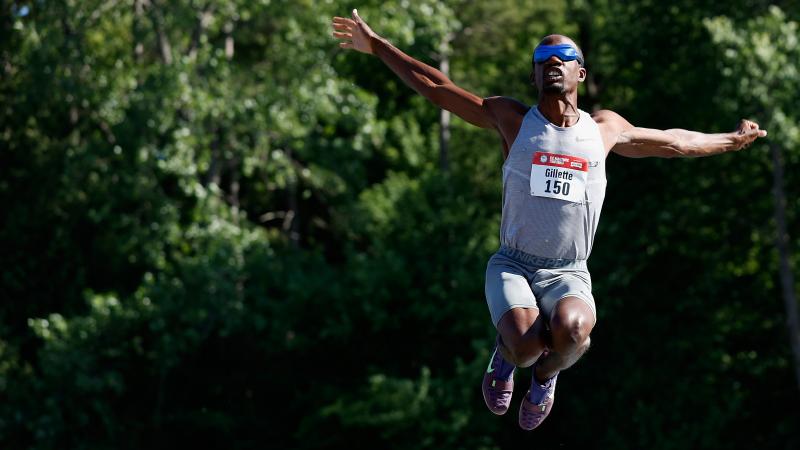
{"points": [[782, 243], [213, 175], [164, 46], [444, 115], [291, 221], [233, 185], [228, 28], [138, 48]]}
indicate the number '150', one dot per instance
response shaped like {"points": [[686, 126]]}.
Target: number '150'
{"points": [[556, 187]]}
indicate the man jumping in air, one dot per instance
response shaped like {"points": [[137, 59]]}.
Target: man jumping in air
{"points": [[538, 288]]}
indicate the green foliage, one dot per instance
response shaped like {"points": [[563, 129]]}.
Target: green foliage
{"points": [[760, 61], [220, 230]]}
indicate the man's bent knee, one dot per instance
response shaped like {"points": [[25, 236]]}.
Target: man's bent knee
{"points": [[571, 324], [519, 332]]}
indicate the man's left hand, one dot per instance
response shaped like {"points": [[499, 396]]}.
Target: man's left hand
{"points": [[746, 133]]}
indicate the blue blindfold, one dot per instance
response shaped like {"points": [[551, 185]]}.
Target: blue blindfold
{"points": [[564, 52]]}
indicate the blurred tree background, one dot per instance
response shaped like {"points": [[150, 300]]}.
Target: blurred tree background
{"points": [[220, 230]]}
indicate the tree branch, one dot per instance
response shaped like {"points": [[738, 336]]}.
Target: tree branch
{"points": [[164, 46], [138, 12], [228, 29], [203, 19]]}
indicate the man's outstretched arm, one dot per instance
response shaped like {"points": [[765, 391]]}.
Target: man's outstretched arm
{"points": [[634, 142], [428, 81]]}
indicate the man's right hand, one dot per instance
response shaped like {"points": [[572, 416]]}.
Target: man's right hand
{"points": [[354, 33]]}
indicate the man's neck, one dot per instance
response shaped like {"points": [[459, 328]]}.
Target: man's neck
{"points": [[560, 110]]}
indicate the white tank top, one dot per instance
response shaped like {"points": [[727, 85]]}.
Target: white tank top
{"points": [[554, 183]]}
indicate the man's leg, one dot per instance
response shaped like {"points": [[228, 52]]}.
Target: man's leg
{"points": [[514, 312], [521, 336], [570, 325], [517, 345]]}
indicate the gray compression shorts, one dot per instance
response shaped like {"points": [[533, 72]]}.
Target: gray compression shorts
{"points": [[515, 279]]}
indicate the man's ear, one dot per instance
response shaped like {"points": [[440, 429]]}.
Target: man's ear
{"points": [[581, 74]]}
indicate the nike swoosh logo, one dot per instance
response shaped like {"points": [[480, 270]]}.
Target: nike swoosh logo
{"points": [[490, 369]]}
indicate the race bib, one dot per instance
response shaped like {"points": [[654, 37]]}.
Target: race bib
{"points": [[559, 176]]}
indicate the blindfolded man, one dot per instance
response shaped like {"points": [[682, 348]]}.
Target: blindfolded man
{"points": [[538, 288]]}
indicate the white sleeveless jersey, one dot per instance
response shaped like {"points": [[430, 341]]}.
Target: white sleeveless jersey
{"points": [[554, 183]]}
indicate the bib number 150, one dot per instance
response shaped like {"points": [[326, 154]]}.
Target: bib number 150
{"points": [[557, 187]]}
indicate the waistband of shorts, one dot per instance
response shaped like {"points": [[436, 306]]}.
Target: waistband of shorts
{"points": [[540, 261]]}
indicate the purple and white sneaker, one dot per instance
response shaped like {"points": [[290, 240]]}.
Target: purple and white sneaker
{"points": [[537, 403], [498, 383]]}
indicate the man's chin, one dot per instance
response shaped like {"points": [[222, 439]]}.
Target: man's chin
{"points": [[555, 88]]}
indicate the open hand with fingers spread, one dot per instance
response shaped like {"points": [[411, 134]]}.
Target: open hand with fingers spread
{"points": [[747, 132], [354, 33]]}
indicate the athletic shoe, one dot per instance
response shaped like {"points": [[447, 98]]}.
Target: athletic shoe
{"points": [[498, 383], [532, 414]]}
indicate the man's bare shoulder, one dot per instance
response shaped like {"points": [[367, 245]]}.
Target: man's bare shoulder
{"points": [[502, 106], [608, 117], [508, 114], [611, 126]]}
